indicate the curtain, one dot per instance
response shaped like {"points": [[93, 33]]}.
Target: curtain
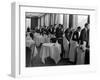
{"points": [[47, 19], [42, 21], [39, 22], [75, 21], [65, 21], [56, 18], [52, 19], [70, 20], [60, 18]]}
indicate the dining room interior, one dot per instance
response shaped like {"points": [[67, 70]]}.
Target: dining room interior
{"points": [[56, 39]]}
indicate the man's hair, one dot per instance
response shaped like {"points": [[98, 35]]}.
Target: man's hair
{"points": [[31, 35], [86, 24], [28, 29], [62, 26], [78, 27]]}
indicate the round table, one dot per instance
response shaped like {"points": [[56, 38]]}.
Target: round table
{"points": [[52, 50]]}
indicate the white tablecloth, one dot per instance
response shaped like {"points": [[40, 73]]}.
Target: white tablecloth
{"points": [[72, 50], [66, 47], [80, 56], [50, 50]]}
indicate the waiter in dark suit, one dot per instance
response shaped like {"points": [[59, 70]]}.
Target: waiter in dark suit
{"points": [[59, 37], [68, 33], [76, 34], [45, 30], [84, 37], [49, 29], [84, 41], [52, 30], [59, 31]]}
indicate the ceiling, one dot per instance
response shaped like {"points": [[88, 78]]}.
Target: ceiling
{"points": [[32, 14]]}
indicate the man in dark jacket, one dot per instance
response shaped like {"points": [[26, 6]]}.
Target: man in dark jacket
{"points": [[84, 37], [84, 40], [68, 33], [59, 37], [51, 30], [59, 31], [76, 35]]}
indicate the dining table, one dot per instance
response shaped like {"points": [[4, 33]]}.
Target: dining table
{"points": [[72, 50], [52, 50]]}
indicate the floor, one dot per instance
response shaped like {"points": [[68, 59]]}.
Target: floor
{"points": [[36, 61]]}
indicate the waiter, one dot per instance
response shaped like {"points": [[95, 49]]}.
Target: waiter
{"points": [[68, 33], [84, 41], [59, 37], [76, 35], [59, 31]]}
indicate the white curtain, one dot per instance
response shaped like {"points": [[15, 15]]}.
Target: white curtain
{"points": [[60, 18], [65, 21], [57, 19], [47, 19], [39, 22], [42, 21], [75, 21]]}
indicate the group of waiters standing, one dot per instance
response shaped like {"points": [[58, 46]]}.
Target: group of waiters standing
{"points": [[81, 36]]}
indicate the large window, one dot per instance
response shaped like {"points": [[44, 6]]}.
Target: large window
{"points": [[28, 23], [82, 19]]}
